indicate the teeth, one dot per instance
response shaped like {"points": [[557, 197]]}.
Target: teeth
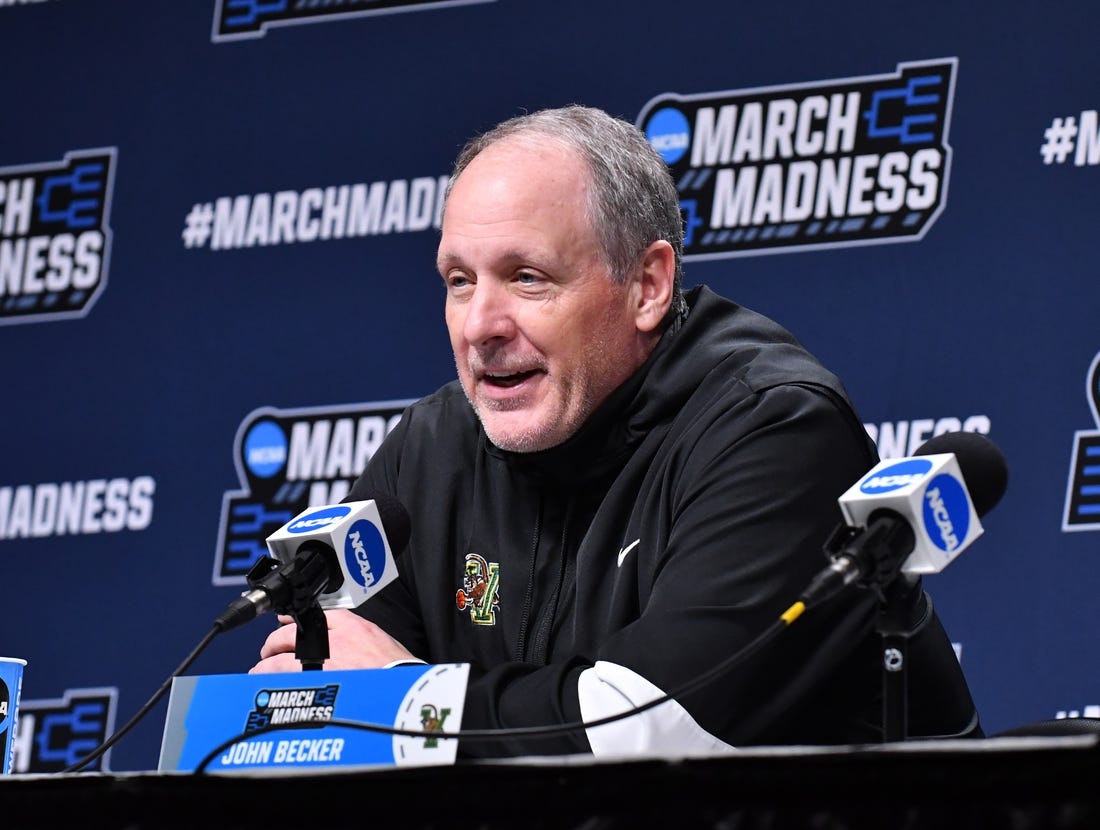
{"points": [[505, 379]]}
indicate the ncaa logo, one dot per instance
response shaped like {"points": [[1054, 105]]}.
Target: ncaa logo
{"points": [[319, 518], [365, 553], [669, 133], [946, 512], [7, 701], [265, 449], [895, 476]]}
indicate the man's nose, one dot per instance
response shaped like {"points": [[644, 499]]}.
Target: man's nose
{"points": [[489, 313]]}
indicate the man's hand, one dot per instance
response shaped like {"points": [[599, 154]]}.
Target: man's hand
{"points": [[354, 643]]}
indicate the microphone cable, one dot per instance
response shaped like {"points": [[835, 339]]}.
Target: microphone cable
{"points": [[144, 710], [475, 734], [788, 617], [548, 730]]}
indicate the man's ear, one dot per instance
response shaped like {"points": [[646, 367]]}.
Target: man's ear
{"points": [[653, 285]]}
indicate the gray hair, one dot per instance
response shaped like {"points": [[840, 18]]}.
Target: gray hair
{"points": [[633, 201]]}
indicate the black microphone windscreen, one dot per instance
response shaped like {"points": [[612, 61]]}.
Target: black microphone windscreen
{"points": [[981, 461], [395, 520]]}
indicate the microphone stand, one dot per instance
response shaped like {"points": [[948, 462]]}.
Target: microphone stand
{"points": [[894, 630], [293, 589], [311, 642], [874, 551]]}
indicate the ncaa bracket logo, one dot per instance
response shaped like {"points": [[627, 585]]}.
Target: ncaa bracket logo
{"points": [[54, 236], [237, 19], [288, 460], [54, 734], [1082, 510], [837, 163]]}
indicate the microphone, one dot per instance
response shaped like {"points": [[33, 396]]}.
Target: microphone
{"points": [[913, 515], [335, 555]]}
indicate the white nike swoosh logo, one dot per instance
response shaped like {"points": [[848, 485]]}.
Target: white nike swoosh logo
{"points": [[626, 550]]}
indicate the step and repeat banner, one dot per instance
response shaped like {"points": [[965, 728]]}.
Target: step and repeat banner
{"points": [[218, 223]]}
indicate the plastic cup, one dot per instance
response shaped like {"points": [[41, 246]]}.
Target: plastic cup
{"points": [[11, 683]]}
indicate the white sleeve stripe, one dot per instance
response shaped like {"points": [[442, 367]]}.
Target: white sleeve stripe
{"points": [[667, 729]]}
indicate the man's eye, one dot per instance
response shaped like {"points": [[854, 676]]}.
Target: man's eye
{"points": [[528, 278]]}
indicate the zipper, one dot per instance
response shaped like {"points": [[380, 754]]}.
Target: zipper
{"points": [[528, 599], [566, 564]]}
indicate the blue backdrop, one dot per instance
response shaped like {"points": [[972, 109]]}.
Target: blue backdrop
{"points": [[218, 222]]}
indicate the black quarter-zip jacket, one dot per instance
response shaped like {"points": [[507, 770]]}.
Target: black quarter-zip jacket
{"points": [[667, 534]]}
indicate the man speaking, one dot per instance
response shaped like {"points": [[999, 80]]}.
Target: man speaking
{"points": [[626, 486]]}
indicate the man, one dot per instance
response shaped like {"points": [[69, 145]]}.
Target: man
{"points": [[627, 485]]}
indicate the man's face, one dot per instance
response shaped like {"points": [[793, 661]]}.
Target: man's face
{"points": [[541, 335]]}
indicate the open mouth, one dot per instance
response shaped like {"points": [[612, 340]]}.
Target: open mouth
{"points": [[507, 381]]}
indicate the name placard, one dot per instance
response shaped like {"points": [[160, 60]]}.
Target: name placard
{"points": [[314, 720]]}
